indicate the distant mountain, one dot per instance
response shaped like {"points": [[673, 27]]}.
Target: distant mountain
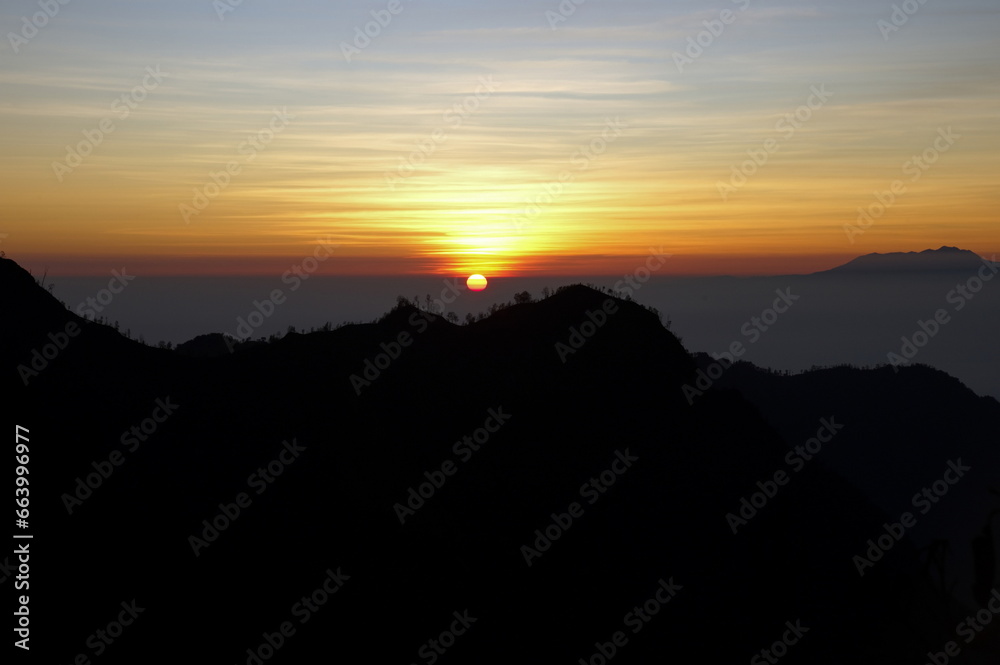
{"points": [[911, 414], [943, 259], [859, 314], [558, 482], [211, 345]]}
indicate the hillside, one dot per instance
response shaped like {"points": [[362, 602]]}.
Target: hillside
{"points": [[596, 471]]}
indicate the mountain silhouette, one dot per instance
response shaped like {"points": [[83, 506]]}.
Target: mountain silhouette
{"points": [[386, 486], [858, 313], [915, 410], [944, 259]]}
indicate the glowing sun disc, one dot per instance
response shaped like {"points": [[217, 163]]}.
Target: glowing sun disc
{"points": [[476, 283]]}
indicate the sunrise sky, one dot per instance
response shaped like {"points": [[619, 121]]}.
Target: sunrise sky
{"points": [[622, 144]]}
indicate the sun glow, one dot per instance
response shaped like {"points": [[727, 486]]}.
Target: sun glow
{"points": [[467, 253]]}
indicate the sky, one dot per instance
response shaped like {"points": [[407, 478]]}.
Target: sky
{"points": [[515, 138]]}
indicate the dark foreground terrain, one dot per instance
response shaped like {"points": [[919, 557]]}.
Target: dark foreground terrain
{"points": [[475, 499]]}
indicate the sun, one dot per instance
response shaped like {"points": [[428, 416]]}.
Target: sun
{"points": [[476, 283]]}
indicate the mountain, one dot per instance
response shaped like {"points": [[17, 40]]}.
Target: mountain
{"points": [[864, 313], [911, 410], [558, 482], [944, 259]]}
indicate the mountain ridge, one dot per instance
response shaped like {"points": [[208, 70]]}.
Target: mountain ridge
{"points": [[365, 445], [943, 259]]}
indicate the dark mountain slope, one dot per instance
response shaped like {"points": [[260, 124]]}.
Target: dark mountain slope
{"points": [[901, 429], [613, 410]]}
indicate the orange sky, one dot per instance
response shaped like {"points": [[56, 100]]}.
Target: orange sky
{"points": [[425, 154]]}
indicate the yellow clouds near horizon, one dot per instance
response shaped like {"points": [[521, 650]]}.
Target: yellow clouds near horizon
{"points": [[450, 147]]}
